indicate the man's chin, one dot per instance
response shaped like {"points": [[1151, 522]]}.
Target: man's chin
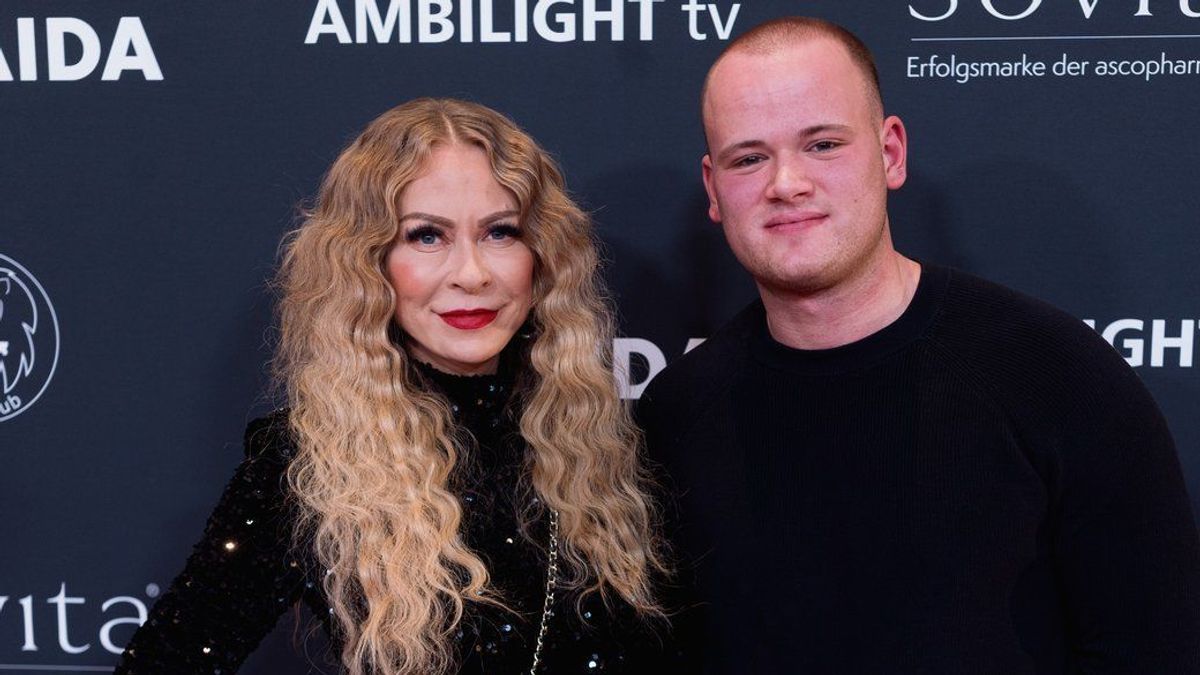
{"points": [[796, 281], [793, 285]]}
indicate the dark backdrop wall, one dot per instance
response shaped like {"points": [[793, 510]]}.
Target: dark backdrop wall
{"points": [[154, 153]]}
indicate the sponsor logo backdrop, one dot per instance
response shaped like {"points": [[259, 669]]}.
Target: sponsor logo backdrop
{"points": [[154, 153]]}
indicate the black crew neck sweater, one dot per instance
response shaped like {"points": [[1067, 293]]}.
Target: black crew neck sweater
{"points": [[982, 486]]}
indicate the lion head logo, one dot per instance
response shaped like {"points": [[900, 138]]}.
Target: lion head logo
{"points": [[18, 325], [28, 339]]}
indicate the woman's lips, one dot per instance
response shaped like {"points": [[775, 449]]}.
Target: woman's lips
{"points": [[469, 319]]}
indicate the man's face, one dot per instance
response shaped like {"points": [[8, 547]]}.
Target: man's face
{"points": [[800, 164]]}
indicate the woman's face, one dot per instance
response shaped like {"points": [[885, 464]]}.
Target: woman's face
{"points": [[463, 277]]}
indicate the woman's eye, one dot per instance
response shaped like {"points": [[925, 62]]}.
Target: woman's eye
{"points": [[425, 235], [503, 232]]}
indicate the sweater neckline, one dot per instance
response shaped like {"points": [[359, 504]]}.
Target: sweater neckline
{"points": [[468, 392], [862, 353]]}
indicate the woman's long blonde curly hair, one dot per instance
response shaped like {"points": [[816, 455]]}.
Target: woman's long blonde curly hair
{"points": [[376, 451]]}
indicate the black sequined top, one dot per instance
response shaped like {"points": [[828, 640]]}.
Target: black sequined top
{"points": [[245, 572]]}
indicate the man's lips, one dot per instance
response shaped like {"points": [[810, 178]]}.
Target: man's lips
{"points": [[469, 319], [787, 221]]}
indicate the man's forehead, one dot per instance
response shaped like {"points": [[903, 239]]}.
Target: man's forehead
{"points": [[819, 72], [749, 79], [812, 58]]}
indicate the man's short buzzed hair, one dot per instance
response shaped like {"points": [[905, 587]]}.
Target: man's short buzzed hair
{"points": [[771, 36]]}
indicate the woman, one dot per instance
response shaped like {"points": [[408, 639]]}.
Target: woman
{"points": [[455, 482]]}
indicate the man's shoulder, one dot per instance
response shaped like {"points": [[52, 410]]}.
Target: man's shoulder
{"points": [[686, 386], [719, 356], [1006, 336], [986, 312]]}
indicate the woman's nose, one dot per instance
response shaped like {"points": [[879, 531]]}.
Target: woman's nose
{"points": [[470, 270]]}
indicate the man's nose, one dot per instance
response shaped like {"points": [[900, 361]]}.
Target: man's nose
{"points": [[789, 180], [470, 271]]}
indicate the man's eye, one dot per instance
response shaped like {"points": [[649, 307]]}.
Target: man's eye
{"points": [[748, 160], [825, 146], [426, 235]]}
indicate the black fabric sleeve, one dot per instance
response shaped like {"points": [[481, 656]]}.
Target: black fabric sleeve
{"points": [[1127, 548], [676, 646], [238, 580]]}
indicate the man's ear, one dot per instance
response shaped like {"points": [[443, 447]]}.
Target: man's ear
{"points": [[894, 140], [706, 170]]}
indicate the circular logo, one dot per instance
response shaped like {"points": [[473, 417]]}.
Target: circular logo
{"points": [[28, 339]]}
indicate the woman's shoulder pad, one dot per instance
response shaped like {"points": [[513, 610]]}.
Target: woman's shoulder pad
{"points": [[269, 437]]}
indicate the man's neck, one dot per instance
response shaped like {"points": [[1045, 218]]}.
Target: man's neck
{"points": [[845, 312]]}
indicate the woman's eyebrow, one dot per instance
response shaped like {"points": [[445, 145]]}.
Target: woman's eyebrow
{"points": [[500, 215], [426, 216]]}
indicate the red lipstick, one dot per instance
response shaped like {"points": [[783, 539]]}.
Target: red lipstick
{"points": [[469, 319]]}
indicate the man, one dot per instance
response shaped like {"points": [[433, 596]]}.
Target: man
{"points": [[886, 466]]}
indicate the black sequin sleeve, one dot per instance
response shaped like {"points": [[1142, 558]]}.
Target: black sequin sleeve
{"points": [[240, 576]]}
